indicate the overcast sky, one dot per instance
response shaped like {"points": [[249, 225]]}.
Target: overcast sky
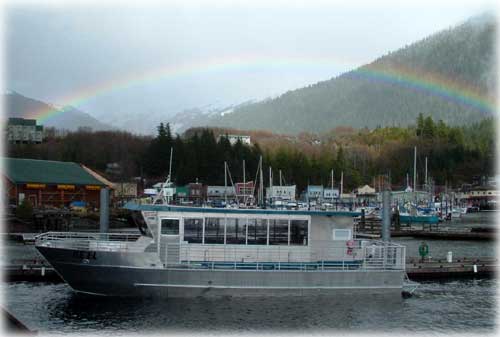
{"points": [[259, 50]]}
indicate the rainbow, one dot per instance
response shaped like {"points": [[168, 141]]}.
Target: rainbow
{"points": [[434, 84], [214, 66], [429, 83]]}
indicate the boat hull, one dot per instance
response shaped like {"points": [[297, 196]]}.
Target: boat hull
{"points": [[104, 278]]}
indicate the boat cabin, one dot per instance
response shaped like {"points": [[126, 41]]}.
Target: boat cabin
{"points": [[200, 234]]}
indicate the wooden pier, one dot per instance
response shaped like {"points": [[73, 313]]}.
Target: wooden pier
{"points": [[441, 269], [372, 227]]}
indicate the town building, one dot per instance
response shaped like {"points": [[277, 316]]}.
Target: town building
{"points": [[233, 139], [330, 193], [245, 191], [220, 192], [314, 192], [408, 196], [49, 183], [24, 131], [281, 193], [197, 192]]}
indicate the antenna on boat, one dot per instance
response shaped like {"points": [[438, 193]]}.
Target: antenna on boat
{"points": [[280, 179]]}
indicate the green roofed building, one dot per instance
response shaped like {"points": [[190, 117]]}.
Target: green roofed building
{"points": [[45, 182]]}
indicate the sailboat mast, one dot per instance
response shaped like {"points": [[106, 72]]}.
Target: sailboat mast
{"points": [[170, 166], [425, 171], [341, 183], [332, 187], [415, 171], [261, 186], [225, 183], [244, 185]]}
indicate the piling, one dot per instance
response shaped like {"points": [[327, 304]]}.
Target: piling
{"points": [[104, 211], [386, 215]]}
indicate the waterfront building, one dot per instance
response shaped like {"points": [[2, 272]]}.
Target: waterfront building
{"points": [[281, 193], [197, 192], [330, 193], [49, 183], [409, 196], [314, 193], [24, 131], [244, 191], [220, 192]]}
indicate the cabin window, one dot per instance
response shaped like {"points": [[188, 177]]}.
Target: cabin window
{"points": [[214, 230], [298, 232], [342, 234], [278, 232], [257, 231], [193, 230], [170, 226], [235, 231]]}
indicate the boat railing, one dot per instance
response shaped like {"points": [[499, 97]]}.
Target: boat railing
{"points": [[376, 255], [89, 241]]}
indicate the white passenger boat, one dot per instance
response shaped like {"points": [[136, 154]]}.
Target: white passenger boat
{"points": [[189, 251]]}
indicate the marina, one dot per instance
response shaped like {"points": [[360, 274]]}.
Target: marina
{"points": [[209, 169]]}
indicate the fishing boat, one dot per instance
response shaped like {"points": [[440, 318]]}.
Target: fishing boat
{"points": [[202, 251]]}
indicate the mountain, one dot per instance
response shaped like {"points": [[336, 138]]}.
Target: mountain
{"points": [[450, 75], [69, 118], [147, 123], [202, 116]]}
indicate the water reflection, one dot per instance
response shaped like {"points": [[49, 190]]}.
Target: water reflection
{"points": [[458, 306]]}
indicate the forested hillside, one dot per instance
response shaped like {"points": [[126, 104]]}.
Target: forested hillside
{"points": [[450, 76], [455, 154]]}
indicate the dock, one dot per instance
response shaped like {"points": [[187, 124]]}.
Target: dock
{"points": [[370, 228], [430, 269], [446, 234], [458, 268]]}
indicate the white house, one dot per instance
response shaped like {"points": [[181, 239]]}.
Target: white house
{"points": [[281, 192], [329, 193], [233, 139]]}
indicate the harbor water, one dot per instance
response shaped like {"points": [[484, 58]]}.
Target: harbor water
{"points": [[452, 306], [456, 306]]}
